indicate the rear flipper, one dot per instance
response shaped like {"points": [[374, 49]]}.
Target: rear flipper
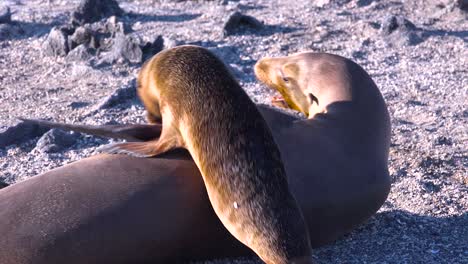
{"points": [[170, 139], [145, 149], [131, 132]]}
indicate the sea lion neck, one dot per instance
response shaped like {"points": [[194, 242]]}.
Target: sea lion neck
{"points": [[344, 90]]}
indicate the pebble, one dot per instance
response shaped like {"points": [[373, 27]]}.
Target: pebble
{"points": [[237, 21], [56, 140]]}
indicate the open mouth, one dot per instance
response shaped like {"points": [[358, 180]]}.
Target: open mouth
{"points": [[284, 100], [279, 101]]}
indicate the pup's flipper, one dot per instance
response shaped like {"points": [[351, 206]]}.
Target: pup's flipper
{"points": [[131, 132], [144, 149]]}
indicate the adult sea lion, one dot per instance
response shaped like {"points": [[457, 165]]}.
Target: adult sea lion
{"points": [[336, 183], [113, 209]]}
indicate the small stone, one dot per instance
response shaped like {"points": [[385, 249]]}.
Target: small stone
{"points": [[124, 49], [5, 15], [359, 54], [82, 35], [80, 53], [393, 23], [89, 11], [119, 96], [401, 31], [76, 105], [56, 140], [442, 140], [56, 43], [151, 48], [463, 5], [19, 133], [237, 21], [362, 3], [115, 27]]}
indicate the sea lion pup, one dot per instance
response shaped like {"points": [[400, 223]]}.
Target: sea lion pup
{"points": [[204, 110]]}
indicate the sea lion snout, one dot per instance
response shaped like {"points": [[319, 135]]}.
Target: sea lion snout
{"points": [[283, 75]]}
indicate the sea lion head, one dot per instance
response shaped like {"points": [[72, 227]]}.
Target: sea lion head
{"points": [[147, 95], [307, 81]]}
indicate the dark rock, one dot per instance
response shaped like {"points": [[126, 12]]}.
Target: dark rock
{"points": [[429, 186], [401, 31], [124, 49], [76, 105], [20, 133], [394, 23], [56, 140], [81, 53], [3, 184], [10, 31], [359, 54], [82, 35], [463, 4], [151, 48], [236, 22], [361, 3], [5, 14], [56, 43], [443, 141], [90, 11], [119, 96]]}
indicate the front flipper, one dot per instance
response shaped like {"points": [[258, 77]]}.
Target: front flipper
{"points": [[134, 132], [144, 149]]}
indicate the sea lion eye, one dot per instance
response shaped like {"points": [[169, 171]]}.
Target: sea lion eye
{"points": [[285, 79]]}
